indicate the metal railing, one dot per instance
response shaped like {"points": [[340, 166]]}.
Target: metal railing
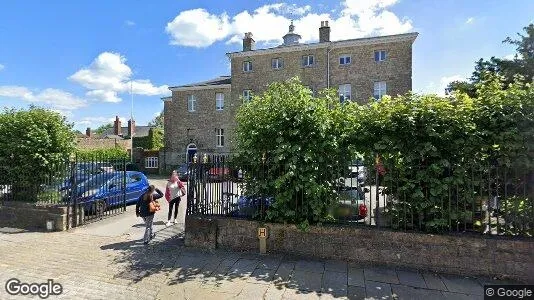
{"points": [[490, 200]]}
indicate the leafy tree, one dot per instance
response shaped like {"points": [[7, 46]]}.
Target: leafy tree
{"points": [[522, 64], [158, 121], [34, 145], [102, 128], [293, 146]]}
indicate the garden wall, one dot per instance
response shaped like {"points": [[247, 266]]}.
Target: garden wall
{"points": [[33, 217], [458, 254]]}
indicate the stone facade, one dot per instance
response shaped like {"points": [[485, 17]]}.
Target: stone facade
{"points": [[467, 255], [31, 216], [198, 128]]}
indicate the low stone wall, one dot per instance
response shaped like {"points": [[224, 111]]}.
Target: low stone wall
{"points": [[461, 254], [34, 217]]}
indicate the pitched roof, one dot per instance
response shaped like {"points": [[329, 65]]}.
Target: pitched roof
{"points": [[140, 131], [212, 82]]}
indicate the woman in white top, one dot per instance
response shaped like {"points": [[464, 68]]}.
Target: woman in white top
{"points": [[175, 189]]}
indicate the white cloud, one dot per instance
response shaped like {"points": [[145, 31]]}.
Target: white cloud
{"points": [[95, 122], [54, 98], [129, 23], [2, 67], [109, 75], [509, 56], [470, 20], [268, 23]]}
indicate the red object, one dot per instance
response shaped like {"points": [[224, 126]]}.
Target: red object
{"points": [[363, 210]]}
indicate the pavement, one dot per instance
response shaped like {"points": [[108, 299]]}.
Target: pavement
{"points": [[107, 260]]}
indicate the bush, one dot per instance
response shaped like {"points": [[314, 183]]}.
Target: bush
{"points": [[293, 143], [34, 145], [102, 154]]}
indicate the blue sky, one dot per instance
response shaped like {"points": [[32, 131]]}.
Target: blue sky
{"points": [[81, 57]]}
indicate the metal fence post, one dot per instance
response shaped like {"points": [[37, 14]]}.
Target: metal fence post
{"points": [[124, 185]]}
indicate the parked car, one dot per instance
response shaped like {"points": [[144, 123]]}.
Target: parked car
{"points": [[105, 190], [83, 171], [358, 170], [251, 206], [218, 173]]}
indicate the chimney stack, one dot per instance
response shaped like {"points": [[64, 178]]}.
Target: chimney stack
{"points": [[117, 129], [131, 127], [324, 32], [88, 132], [248, 42]]}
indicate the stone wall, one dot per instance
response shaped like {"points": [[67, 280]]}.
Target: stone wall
{"points": [[34, 217], [88, 143], [183, 127], [459, 254]]}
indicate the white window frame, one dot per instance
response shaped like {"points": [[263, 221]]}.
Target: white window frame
{"points": [[344, 92], [382, 55], [191, 103], [278, 65], [219, 133], [219, 101], [247, 66], [151, 162], [248, 96], [345, 59], [380, 89], [307, 62]]}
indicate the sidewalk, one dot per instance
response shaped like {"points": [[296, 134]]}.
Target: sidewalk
{"points": [[93, 266]]}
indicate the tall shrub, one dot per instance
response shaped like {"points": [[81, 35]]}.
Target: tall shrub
{"points": [[303, 141]]}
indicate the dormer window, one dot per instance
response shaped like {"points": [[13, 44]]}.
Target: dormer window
{"points": [[247, 66]]}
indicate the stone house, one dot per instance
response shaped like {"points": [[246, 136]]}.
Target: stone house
{"points": [[362, 70]]}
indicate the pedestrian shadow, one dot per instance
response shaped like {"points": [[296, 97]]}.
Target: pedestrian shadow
{"points": [[143, 224]]}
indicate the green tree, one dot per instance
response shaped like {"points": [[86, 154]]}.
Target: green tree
{"points": [[104, 127], [34, 145], [158, 121], [522, 64], [293, 146]]}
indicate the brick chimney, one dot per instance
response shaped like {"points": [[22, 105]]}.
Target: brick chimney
{"points": [[117, 129], [248, 42], [88, 132], [131, 127], [324, 32]]}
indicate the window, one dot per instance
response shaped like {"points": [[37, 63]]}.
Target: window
{"points": [[380, 89], [344, 92], [136, 177], [247, 95], [307, 60], [191, 103], [247, 66], [219, 101], [380, 55], [220, 137], [344, 59], [277, 63], [151, 162]]}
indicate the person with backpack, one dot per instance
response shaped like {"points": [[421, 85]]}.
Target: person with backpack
{"points": [[173, 193], [146, 207]]}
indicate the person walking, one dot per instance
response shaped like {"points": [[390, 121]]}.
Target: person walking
{"points": [[146, 207], [173, 193]]}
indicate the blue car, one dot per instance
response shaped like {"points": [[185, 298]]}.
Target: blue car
{"points": [[103, 191]]}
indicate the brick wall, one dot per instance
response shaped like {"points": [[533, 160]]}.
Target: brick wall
{"points": [[462, 254]]}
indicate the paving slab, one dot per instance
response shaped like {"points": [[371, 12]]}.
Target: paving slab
{"points": [[335, 265], [355, 277], [356, 293], [284, 271], [434, 282], [459, 296], [402, 292], [411, 278], [274, 292], [309, 266], [306, 281], [335, 283], [381, 275], [378, 290], [465, 285], [262, 275]]}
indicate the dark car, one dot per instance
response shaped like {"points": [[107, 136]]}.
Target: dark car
{"points": [[106, 190], [183, 172]]}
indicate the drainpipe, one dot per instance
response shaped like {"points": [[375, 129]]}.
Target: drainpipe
{"points": [[328, 67]]}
